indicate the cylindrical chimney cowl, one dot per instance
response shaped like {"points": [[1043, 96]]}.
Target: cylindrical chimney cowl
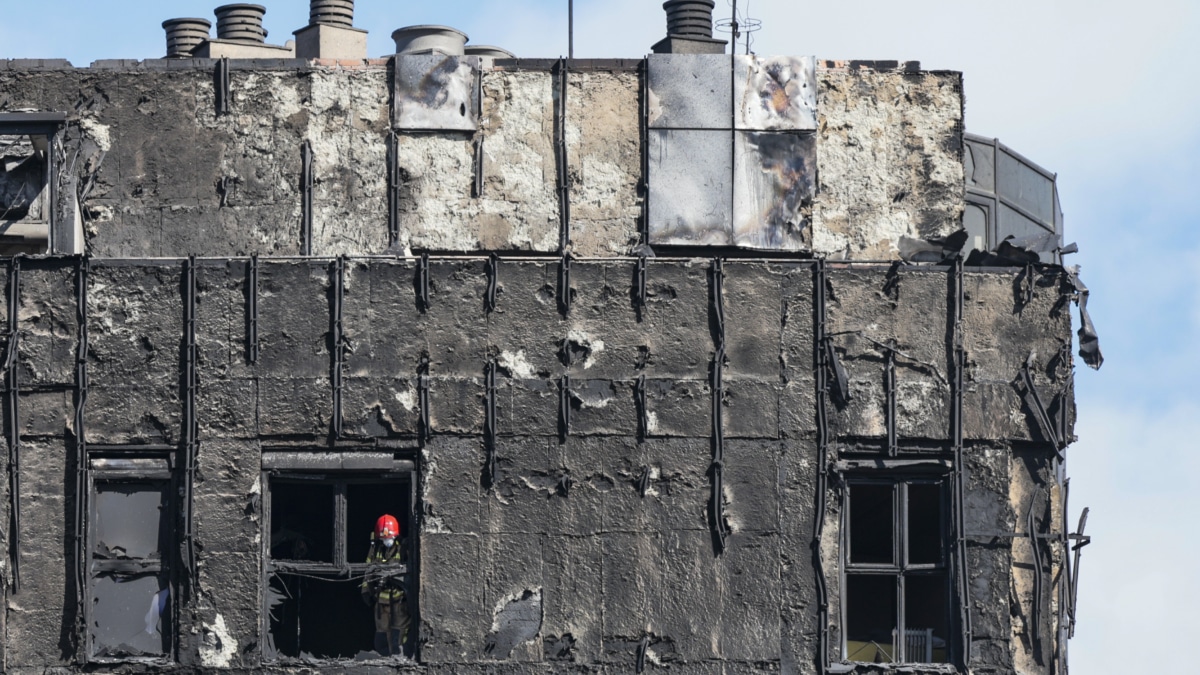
{"points": [[489, 51], [690, 18], [184, 35], [331, 13], [430, 40], [241, 23]]}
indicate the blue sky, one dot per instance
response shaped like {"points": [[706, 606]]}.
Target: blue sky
{"points": [[1105, 93]]}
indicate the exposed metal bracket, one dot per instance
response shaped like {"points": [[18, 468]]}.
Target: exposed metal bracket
{"points": [[13, 386], [221, 87], [190, 423], [640, 288], [821, 371], [889, 389], [565, 295], [477, 169], [1080, 540], [489, 424], [426, 431], [423, 283], [639, 398], [560, 152], [564, 408], [393, 188], [82, 493], [720, 531], [306, 198], [959, 506], [339, 342], [252, 345]]}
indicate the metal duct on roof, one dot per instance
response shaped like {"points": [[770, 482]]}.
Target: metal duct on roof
{"points": [[184, 35], [242, 23], [690, 18], [331, 13]]}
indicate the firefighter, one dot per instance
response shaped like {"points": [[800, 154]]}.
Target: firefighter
{"points": [[383, 589]]}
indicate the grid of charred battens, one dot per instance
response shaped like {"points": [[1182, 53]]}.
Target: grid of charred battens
{"points": [[576, 420]]}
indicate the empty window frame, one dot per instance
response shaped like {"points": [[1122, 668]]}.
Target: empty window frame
{"points": [[130, 584], [27, 193], [320, 536], [896, 562]]}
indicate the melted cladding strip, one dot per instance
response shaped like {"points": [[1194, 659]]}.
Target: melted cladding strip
{"points": [[1035, 545], [190, 423], [222, 88], [962, 587], [14, 427], [252, 310], [717, 500], [1034, 401], [489, 423], [82, 270], [564, 408], [1089, 340], [393, 188], [823, 363], [339, 342], [493, 275], [306, 198]]}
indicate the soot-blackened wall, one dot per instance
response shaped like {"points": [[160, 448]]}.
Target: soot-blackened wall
{"points": [[561, 423]]}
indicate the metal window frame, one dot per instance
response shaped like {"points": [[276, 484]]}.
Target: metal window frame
{"points": [[157, 468], [405, 472], [901, 568]]}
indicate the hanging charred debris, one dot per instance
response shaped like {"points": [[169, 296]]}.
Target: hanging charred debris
{"points": [[696, 362]]}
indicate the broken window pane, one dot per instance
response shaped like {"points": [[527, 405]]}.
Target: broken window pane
{"points": [[131, 615], [302, 521], [129, 520], [924, 524], [925, 618], [870, 617], [365, 502], [872, 524], [321, 617], [24, 195]]}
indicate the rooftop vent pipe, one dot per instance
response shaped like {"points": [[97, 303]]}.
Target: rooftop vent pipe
{"points": [[184, 35], [331, 13], [690, 18], [241, 23], [430, 40]]}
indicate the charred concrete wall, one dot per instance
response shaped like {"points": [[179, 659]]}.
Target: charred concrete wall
{"points": [[172, 158], [595, 543]]}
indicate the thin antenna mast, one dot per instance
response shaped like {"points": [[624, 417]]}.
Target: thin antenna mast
{"points": [[570, 29]]}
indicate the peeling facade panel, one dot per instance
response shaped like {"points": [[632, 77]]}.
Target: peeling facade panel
{"points": [[876, 186]]}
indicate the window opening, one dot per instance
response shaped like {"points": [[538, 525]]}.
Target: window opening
{"points": [[27, 188], [322, 528], [897, 606], [130, 614]]}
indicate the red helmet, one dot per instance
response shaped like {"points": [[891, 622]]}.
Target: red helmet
{"points": [[387, 526]]}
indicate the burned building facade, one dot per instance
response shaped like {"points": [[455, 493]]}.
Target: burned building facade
{"points": [[696, 362]]}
